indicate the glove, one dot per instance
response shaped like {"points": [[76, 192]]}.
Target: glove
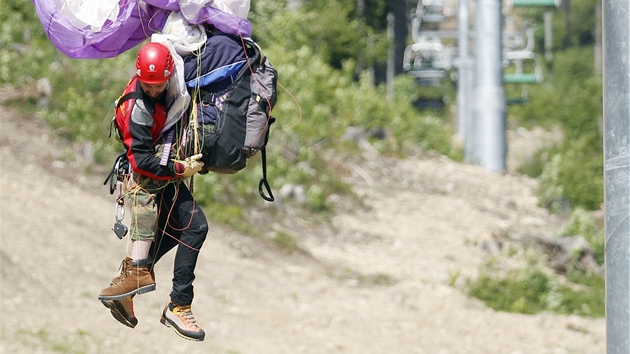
{"points": [[189, 166]]}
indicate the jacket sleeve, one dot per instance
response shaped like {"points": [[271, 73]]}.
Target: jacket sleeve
{"points": [[141, 151]]}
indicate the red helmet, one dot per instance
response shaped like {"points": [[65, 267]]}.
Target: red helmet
{"points": [[154, 64]]}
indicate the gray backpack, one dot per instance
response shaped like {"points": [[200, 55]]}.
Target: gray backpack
{"points": [[242, 118]]}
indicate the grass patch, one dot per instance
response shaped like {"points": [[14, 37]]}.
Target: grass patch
{"points": [[285, 242], [41, 340], [530, 290], [357, 279]]}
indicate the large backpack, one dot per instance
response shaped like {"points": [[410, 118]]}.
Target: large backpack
{"points": [[233, 122]]}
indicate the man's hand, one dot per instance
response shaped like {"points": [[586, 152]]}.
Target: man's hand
{"points": [[189, 166]]}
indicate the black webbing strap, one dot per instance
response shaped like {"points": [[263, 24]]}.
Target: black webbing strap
{"points": [[128, 96], [118, 103], [263, 182], [120, 167]]}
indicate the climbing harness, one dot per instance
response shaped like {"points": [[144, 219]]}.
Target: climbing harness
{"points": [[119, 228], [120, 170]]}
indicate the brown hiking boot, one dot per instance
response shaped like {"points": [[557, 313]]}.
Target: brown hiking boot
{"points": [[134, 279], [126, 264], [181, 319], [122, 310]]}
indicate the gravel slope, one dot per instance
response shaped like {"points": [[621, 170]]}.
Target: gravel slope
{"points": [[373, 281]]}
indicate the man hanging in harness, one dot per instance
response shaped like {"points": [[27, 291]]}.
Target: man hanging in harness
{"points": [[164, 212]]}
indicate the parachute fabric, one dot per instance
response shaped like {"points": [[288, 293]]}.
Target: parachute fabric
{"points": [[99, 29]]}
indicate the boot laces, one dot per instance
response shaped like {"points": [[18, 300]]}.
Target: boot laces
{"points": [[186, 313], [124, 271]]}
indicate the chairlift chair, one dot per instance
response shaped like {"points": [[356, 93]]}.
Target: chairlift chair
{"points": [[515, 59], [535, 3], [428, 16], [430, 11], [428, 61]]}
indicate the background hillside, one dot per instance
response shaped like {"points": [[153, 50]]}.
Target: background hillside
{"points": [[379, 241], [377, 279]]}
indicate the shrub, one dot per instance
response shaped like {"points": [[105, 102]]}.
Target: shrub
{"points": [[582, 223], [530, 290], [572, 97]]}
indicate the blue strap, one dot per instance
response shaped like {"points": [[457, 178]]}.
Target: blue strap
{"points": [[218, 74], [166, 149]]}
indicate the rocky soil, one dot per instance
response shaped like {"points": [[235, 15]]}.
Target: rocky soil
{"points": [[381, 278]]}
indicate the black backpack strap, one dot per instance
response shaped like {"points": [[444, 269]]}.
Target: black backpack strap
{"points": [[263, 181], [118, 103], [128, 96]]}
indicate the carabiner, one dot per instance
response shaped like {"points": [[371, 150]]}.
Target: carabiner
{"points": [[119, 212]]}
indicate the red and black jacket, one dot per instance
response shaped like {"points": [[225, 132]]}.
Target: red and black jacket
{"points": [[140, 120]]}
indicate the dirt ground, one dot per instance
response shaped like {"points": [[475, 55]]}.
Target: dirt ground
{"points": [[375, 280]]}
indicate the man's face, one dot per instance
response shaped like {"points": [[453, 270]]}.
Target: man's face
{"points": [[154, 90]]}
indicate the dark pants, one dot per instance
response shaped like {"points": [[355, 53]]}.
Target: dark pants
{"points": [[181, 223]]}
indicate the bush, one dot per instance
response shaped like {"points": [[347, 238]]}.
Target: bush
{"points": [[582, 223], [571, 97], [530, 290]]}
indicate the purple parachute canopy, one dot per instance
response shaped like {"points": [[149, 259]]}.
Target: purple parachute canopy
{"points": [[107, 28]]}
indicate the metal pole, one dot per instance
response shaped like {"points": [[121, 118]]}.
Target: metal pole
{"points": [[598, 39], [548, 34], [617, 173], [391, 56], [489, 104], [464, 78]]}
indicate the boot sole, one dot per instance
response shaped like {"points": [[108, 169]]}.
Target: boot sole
{"points": [[142, 290], [167, 323], [120, 314]]}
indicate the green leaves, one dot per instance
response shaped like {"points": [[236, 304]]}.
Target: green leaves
{"points": [[530, 290], [571, 98]]}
